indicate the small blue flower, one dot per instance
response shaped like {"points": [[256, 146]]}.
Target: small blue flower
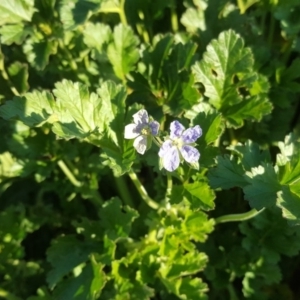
{"points": [[179, 146], [141, 130]]}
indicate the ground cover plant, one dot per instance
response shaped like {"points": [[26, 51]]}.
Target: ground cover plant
{"points": [[149, 149]]}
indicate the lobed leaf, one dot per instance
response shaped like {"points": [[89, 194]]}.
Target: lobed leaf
{"points": [[117, 220], [75, 12], [122, 51], [66, 253], [32, 109], [13, 33], [15, 11], [226, 72], [227, 174], [289, 202], [263, 187]]}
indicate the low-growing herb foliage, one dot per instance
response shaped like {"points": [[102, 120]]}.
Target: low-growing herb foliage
{"points": [[149, 149]]}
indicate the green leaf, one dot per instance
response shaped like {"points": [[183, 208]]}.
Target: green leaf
{"points": [[117, 220], [13, 33], [77, 113], [252, 108], [290, 174], [15, 11], [291, 73], [96, 35], [183, 264], [250, 154], [227, 174], [178, 80], [122, 52], [32, 109], [200, 195], [83, 106], [186, 287], [120, 163], [112, 111], [193, 288], [38, 52], [126, 282], [181, 94], [209, 120], [194, 19], [9, 166], [76, 12], [87, 285], [288, 149], [278, 236], [289, 163], [156, 58], [226, 72], [66, 253], [225, 58], [18, 74], [263, 186], [290, 205], [287, 14], [196, 226]]}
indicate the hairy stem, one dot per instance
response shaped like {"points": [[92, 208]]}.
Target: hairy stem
{"points": [[174, 19], [142, 191], [122, 13], [238, 217], [123, 191], [95, 196], [169, 187], [68, 173]]}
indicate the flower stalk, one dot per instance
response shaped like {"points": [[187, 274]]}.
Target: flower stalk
{"points": [[142, 191], [239, 217]]}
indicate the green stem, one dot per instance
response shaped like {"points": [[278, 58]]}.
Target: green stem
{"points": [[238, 217], [233, 140], [142, 191], [123, 190], [187, 177], [68, 173], [156, 142], [232, 293], [169, 186], [122, 13], [96, 197], [174, 19]]}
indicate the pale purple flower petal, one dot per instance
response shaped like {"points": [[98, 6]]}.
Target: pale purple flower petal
{"points": [[190, 154], [176, 130], [131, 131], [141, 117], [191, 134], [165, 147], [140, 144], [170, 156], [154, 126]]}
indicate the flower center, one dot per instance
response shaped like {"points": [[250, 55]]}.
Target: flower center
{"points": [[178, 142], [146, 130]]}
